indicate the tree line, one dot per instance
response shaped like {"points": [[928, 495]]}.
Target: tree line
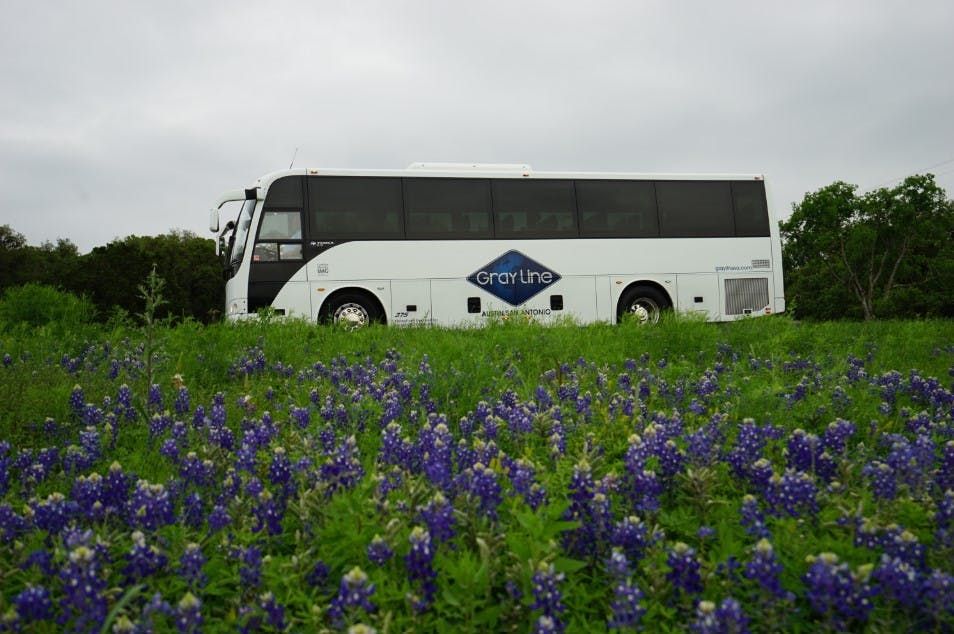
{"points": [[110, 275], [885, 253]]}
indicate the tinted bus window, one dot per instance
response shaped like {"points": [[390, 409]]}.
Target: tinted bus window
{"points": [[751, 214], [534, 209], [285, 192], [617, 209], [450, 208], [355, 207], [695, 209]]}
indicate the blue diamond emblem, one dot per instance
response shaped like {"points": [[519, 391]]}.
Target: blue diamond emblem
{"points": [[513, 277]]}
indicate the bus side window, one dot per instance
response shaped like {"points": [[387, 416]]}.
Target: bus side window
{"points": [[695, 209], [751, 213], [539, 208], [281, 225], [447, 208], [265, 252], [617, 208]]}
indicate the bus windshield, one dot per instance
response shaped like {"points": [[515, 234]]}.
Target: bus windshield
{"points": [[241, 231]]}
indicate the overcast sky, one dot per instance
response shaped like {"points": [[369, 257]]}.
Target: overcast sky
{"points": [[123, 117]]}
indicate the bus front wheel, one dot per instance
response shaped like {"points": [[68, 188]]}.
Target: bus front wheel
{"points": [[352, 311], [644, 304]]}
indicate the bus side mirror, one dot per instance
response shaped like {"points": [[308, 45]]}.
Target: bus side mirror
{"points": [[213, 220]]}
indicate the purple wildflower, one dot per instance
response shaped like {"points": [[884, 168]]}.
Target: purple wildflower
{"points": [[54, 513], [434, 446], [274, 612], [547, 625], [587, 506], [420, 566], [898, 580], [836, 436], [764, 569], [154, 399], [195, 471], [944, 476], [522, 477], [794, 493], [343, 470], [632, 536], [378, 551], [354, 592], [546, 595], [181, 404], [626, 610], [882, 478], [116, 488], [142, 560], [170, 449], [485, 488], [83, 585], [190, 566], [836, 594], [33, 604], [937, 596], [219, 518], [803, 450], [439, 517], [150, 506], [684, 569], [728, 618], [189, 614], [193, 510], [944, 519], [250, 570], [77, 400], [748, 447], [268, 513]]}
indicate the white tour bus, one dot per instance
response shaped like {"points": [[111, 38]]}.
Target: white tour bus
{"points": [[451, 244]]}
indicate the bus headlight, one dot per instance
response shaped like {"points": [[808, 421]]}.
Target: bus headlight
{"points": [[237, 307]]}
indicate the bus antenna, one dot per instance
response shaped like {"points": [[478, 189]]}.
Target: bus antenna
{"points": [[293, 158]]}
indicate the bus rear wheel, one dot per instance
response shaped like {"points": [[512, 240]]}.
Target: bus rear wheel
{"points": [[644, 304], [352, 311]]}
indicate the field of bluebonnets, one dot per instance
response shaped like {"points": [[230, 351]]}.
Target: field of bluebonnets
{"points": [[758, 476]]}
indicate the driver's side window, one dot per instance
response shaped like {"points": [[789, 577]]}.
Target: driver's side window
{"points": [[279, 237]]}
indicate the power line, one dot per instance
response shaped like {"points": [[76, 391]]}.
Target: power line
{"points": [[923, 169], [945, 172]]}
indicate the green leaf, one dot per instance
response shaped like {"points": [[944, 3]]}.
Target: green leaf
{"points": [[130, 594], [449, 597], [567, 565]]}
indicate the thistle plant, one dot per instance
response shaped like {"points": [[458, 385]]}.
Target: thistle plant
{"points": [[151, 294]]}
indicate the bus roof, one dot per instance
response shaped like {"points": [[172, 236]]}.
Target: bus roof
{"points": [[487, 170]]}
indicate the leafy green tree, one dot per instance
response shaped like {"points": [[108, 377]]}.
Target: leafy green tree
{"points": [[11, 239], [193, 288], [887, 252], [49, 264], [110, 275]]}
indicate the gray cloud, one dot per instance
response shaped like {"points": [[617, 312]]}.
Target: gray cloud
{"points": [[122, 118]]}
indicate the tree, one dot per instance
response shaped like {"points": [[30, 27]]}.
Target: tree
{"points": [[10, 239], [870, 250], [112, 274]]}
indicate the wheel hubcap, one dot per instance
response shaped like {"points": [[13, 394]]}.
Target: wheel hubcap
{"points": [[646, 311], [351, 316]]}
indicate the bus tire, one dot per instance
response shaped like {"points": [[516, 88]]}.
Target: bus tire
{"points": [[645, 304], [352, 310]]}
